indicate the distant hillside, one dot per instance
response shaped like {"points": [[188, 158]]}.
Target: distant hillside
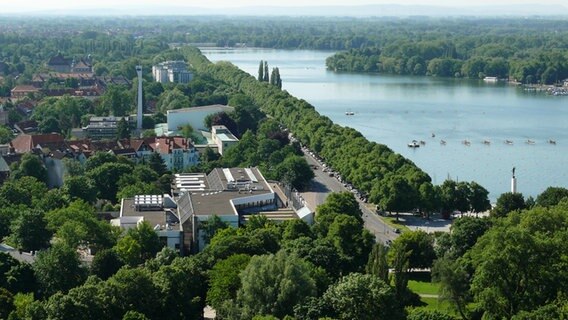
{"points": [[351, 11]]}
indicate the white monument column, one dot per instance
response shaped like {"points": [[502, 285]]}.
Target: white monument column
{"points": [[140, 111], [513, 182]]}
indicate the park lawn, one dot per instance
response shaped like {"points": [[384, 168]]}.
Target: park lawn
{"points": [[437, 304], [391, 221], [421, 287]]}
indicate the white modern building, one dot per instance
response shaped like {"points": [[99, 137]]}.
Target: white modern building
{"points": [[194, 116], [232, 194], [172, 71], [223, 138], [158, 211]]}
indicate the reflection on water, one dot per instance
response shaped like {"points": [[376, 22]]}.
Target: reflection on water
{"points": [[395, 110]]}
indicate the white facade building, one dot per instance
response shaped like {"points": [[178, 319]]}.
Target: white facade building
{"points": [[158, 211], [223, 138], [172, 71], [177, 152]]}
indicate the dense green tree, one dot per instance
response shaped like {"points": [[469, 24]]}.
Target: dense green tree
{"points": [[378, 264], [6, 303], [116, 100], [261, 71], [77, 224], [58, 269], [210, 227], [265, 76], [156, 163], [31, 165], [465, 231], [516, 263], [106, 178], [29, 231], [478, 198], [80, 188], [454, 280], [420, 245], [173, 99], [352, 241], [105, 264], [358, 296], [508, 202], [139, 244], [134, 315], [5, 134], [428, 314], [98, 159], [122, 129], [551, 196], [182, 286], [295, 171], [131, 290], [224, 280], [296, 228], [274, 284]]}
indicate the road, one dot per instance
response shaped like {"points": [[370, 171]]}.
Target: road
{"points": [[322, 185]]}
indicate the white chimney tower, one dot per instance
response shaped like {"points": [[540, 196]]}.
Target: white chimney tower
{"points": [[139, 114], [514, 182]]}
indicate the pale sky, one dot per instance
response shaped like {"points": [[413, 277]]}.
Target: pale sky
{"points": [[35, 5]]}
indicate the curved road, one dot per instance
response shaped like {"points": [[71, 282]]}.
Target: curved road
{"points": [[322, 185]]}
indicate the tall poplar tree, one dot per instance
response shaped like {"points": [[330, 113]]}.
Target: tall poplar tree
{"points": [[261, 71], [265, 71]]}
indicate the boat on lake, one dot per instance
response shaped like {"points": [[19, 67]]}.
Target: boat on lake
{"points": [[552, 141], [349, 113], [466, 142], [414, 144], [486, 142], [529, 141], [443, 142], [422, 142]]}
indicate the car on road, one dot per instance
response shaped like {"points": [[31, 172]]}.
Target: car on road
{"points": [[397, 230]]}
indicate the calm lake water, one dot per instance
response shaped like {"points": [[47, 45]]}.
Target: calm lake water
{"points": [[394, 110]]}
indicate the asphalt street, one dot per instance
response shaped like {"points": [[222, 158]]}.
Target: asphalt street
{"points": [[323, 184]]}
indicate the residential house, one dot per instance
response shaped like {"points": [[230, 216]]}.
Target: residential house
{"points": [[178, 153], [58, 63], [21, 91], [81, 66]]}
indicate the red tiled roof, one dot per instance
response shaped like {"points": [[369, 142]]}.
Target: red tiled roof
{"points": [[25, 142], [25, 88]]}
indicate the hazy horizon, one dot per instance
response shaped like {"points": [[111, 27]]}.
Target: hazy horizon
{"points": [[24, 6]]}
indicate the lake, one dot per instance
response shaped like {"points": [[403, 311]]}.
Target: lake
{"points": [[394, 110]]}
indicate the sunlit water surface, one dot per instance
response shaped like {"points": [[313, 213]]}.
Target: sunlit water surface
{"points": [[394, 110]]}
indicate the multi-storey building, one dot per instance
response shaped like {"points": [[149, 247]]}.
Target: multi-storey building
{"points": [[172, 71]]}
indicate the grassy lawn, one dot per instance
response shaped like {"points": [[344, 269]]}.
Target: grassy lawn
{"points": [[421, 283], [423, 287], [391, 221], [436, 304]]}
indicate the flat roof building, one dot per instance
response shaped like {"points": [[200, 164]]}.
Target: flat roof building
{"points": [[172, 71], [194, 116], [232, 194], [223, 138], [159, 211]]}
